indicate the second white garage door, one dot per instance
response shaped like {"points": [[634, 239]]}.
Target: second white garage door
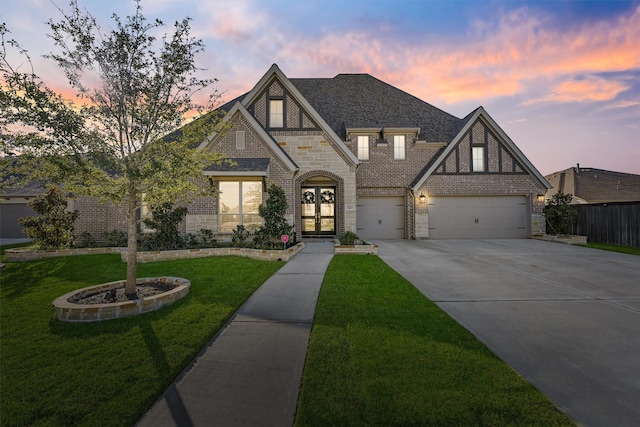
{"points": [[499, 217], [380, 217]]}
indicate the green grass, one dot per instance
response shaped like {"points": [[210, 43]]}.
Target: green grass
{"points": [[109, 373], [381, 354], [615, 248]]}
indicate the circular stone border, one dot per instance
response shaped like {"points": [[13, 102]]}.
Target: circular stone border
{"points": [[72, 312]]}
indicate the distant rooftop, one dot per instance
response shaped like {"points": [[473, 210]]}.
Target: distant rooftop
{"points": [[591, 185]]}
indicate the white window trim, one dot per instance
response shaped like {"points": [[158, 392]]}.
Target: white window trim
{"points": [[478, 162], [276, 120], [240, 203], [399, 147], [363, 147]]}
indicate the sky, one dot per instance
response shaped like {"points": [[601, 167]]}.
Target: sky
{"points": [[562, 78]]}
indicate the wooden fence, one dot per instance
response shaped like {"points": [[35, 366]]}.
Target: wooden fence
{"points": [[612, 223]]}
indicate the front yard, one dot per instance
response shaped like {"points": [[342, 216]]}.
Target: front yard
{"points": [[380, 352], [108, 373]]}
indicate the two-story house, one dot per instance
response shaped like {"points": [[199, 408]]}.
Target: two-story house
{"points": [[353, 153]]}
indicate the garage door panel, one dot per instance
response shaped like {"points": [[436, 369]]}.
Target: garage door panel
{"points": [[380, 217], [500, 217]]}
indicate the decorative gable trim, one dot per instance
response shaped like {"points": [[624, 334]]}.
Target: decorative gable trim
{"points": [[238, 108], [439, 165], [275, 72]]}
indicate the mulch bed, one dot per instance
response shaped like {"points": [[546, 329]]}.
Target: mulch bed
{"points": [[117, 294]]}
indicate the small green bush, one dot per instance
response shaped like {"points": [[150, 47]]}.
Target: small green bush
{"points": [[114, 238], [240, 235], [559, 213], [53, 228], [350, 238], [165, 220]]}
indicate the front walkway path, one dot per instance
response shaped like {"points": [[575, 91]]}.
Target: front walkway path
{"points": [[250, 373]]}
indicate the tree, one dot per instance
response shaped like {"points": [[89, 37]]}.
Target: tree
{"points": [[274, 222], [53, 229], [559, 213], [111, 145]]}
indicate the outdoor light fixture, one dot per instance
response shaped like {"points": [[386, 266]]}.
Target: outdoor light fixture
{"points": [[541, 198], [422, 198]]}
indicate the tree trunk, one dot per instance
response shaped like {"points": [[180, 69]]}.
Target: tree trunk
{"points": [[132, 248]]}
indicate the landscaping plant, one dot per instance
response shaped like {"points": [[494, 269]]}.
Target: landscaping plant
{"points": [[274, 223], [53, 228], [559, 214]]}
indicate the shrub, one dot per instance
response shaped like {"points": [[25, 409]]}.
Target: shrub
{"points": [[86, 240], [164, 221], [202, 239], [274, 222], [559, 214], [240, 235], [114, 238], [350, 238], [53, 229]]}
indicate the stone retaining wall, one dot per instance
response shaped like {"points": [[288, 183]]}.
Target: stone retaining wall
{"points": [[356, 249], [71, 312], [18, 255], [270, 255], [569, 240]]}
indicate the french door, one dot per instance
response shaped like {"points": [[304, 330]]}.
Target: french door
{"points": [[318, 210]]}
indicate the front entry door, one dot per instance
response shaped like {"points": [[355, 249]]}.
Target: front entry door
{"points": [[318, 211]]}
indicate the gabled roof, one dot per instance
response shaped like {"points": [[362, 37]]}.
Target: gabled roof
{"points": [[467, 122], [275, 72], [238, 108], [362, 101], [591, 185]]}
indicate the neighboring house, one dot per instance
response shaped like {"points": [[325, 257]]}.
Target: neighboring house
{"points": [[353, 153], [591, 185], [13, 206], [608, 203]]}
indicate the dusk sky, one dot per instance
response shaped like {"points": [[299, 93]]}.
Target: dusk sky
{"points": [[562, 78]]}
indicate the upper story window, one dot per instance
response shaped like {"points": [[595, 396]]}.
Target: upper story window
{"points": [[363, 148], [276, 113], [477, 154], [399, 147]]}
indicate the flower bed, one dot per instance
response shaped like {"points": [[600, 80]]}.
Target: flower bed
{"points": [[26, 254], [69, 311], [356, 249]]}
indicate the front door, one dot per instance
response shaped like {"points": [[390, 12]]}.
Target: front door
{"points": [[318, 211]]}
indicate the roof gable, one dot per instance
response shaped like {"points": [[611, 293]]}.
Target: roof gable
{"points": [[238, 108], [479, 128], [275, 83]]}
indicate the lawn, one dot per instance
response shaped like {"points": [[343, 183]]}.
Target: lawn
{"points": [[109, 373], [615, 248], [381, 354]]}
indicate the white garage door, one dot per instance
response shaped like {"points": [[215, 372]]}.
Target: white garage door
{"points": [[380, 217], [500, 217]]}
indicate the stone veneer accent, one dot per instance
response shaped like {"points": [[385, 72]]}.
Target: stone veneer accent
{"points": [[71, 312]]}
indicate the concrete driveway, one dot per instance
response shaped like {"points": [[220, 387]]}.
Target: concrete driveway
{"points": [[567, 318]]}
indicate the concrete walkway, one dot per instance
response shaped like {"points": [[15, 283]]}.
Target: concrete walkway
{"points": [[250, 373]]}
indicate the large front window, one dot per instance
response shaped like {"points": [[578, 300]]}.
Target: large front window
{"points": [[238, 204]]}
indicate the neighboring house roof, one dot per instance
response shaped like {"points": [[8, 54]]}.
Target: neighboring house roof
{"points": [[591, 185]]}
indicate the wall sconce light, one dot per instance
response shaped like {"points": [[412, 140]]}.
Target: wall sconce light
{"points": [[422, 198], [540, 198]]}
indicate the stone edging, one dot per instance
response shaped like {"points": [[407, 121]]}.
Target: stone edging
{"points": [[18, 255], [72, 312], [569, 240], [271, 255], [356, 249]]}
